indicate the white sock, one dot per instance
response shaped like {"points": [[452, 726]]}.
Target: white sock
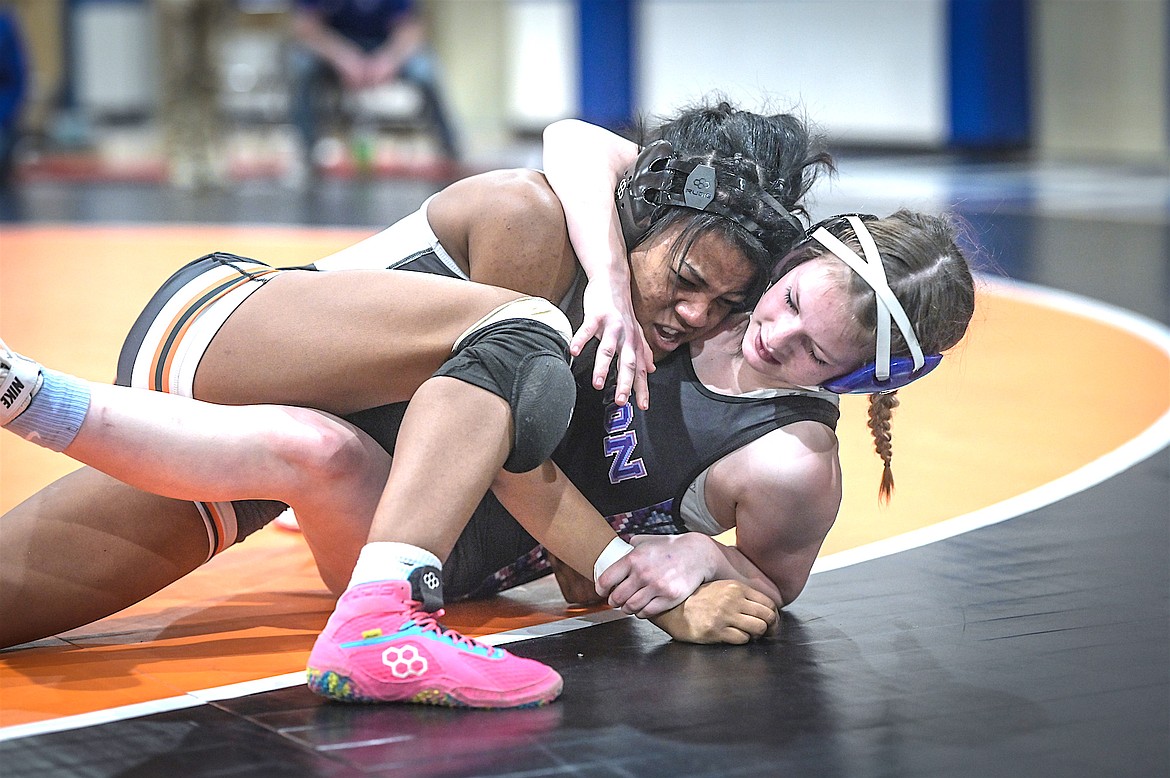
{"points": [[56, 412], [389, 561]]}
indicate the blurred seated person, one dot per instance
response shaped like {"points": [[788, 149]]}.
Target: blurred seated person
{"points": [[354, 45], [191, 118]]}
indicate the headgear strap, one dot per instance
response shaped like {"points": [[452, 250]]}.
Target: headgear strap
{"points": [[874, 274], [659, 177]]}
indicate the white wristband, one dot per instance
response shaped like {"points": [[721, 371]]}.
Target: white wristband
{"points": [[616, 549]]}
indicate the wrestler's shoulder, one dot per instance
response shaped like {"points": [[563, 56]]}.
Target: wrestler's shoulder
{"points": [[508, 190]]}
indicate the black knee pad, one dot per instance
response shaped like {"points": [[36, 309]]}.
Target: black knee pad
{"points": [[520, 352]]}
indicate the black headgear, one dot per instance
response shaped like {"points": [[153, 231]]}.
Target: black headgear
{"points": [[658, 177]]}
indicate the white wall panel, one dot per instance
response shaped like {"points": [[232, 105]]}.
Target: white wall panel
{"points": [[864, 70], [115, 68], [542, 62]]}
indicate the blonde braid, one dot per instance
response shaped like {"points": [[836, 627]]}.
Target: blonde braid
{"points": [[881, 409]]}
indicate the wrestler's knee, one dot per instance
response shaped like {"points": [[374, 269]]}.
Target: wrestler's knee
{"points": [[520, 352], [321, 451]]}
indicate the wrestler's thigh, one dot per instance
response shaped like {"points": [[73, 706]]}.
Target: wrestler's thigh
{"points": [[340, 341], [87, 546]]}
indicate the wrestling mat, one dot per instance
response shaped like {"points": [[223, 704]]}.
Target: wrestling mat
{"points": [[1016, 418]]}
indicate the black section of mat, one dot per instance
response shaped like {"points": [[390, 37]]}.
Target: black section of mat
{"points": [[1037, 647]]}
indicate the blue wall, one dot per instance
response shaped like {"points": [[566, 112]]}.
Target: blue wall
{"points": [[606, 38], [990, 79]]}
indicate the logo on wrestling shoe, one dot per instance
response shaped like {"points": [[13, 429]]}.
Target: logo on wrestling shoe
{"points": [[9, 396], [426, 587], [404, 661]]}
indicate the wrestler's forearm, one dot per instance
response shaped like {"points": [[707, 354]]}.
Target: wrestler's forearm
{"points": [[554, 512], [582, 163], [732, 565]]}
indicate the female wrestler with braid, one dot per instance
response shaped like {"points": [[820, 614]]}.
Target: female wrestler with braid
{"points": [[928, 245], [861, 305], [927, 272], [686, 280]]}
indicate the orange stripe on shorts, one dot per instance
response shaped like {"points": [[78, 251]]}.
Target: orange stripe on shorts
{"points": [[188, 316]]}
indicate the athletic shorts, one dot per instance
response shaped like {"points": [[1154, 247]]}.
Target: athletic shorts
{"points": [[164, 349]]}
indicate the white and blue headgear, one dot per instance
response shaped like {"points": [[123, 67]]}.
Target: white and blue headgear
{"points": [[885, 373]]}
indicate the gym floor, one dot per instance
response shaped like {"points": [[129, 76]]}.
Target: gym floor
{"points": [[1007, 614]]}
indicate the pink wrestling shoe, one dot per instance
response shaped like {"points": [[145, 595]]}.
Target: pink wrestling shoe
{"points": [[379, 646]]}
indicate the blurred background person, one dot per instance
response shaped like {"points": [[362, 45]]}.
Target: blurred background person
{"points": [[348, 46], [190, 111]]}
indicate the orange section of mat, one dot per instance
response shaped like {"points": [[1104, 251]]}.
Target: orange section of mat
{"points": [[250, 613], [1018, 404], [68, 296], [1015, 407]]}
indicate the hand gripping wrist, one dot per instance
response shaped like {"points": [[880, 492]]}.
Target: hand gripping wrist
{"points": [[616, 549]]}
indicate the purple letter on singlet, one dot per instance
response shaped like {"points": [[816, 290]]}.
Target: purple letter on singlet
{"points": [[620, 442], [619, 419]]}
